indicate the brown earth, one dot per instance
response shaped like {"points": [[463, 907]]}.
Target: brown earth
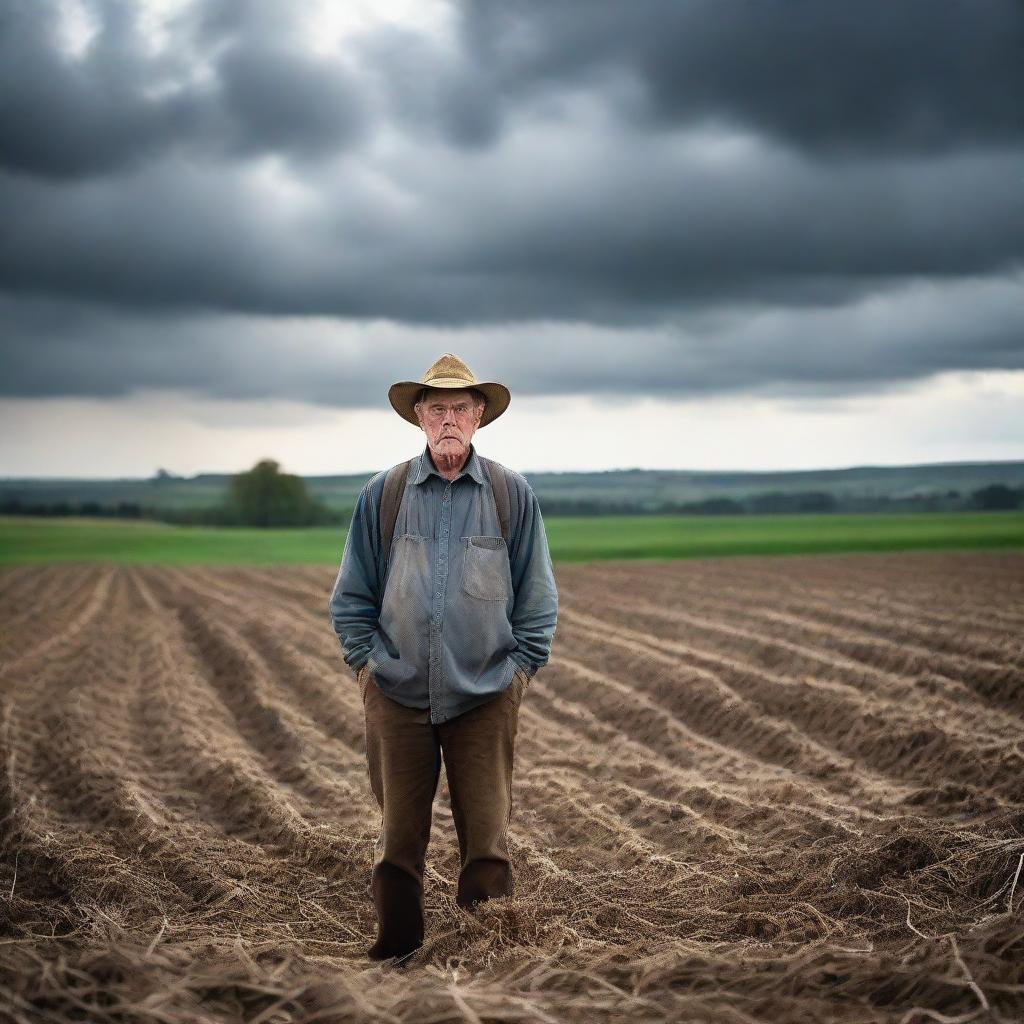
{"points": [[747, 789]]}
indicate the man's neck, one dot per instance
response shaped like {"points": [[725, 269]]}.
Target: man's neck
{"points": [[449, 466]]}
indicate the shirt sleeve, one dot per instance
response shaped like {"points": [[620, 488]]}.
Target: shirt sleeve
{"points": [[354, 604], [535, 609]]}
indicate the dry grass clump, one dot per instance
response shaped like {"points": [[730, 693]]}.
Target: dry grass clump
{"points": [[124, 981]]}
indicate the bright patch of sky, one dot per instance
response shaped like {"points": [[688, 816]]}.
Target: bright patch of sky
{"points": [[960, 416]]}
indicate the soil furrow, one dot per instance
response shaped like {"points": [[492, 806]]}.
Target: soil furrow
{"points": [[883, 735], [686, 765], [283, 743], [58, 639], [825, 581], [705, 703], [908, 676]]}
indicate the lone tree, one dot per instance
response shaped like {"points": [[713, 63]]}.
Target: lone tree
{"points": [[264, 496]]}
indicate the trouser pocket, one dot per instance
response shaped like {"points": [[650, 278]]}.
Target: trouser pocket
{"points": [[521, 681], [363, 679]]}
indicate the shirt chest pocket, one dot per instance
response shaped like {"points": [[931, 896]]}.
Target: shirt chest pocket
{"points": [[485, 570]]}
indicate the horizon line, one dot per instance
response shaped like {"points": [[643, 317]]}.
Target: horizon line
{"points": [[553, 472]]}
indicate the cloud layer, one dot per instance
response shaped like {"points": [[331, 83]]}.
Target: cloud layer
{"points": [[644, 198]]}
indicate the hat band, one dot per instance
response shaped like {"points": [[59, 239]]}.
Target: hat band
{"points": [[449, 382]]}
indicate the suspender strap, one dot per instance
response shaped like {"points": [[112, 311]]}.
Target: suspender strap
{"points": [[499, 490], [391, 499]]}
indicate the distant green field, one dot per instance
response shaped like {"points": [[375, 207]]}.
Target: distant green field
{"points": [[25, 539]]}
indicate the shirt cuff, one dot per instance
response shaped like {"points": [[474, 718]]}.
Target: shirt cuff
{"points": [[525, 667]]}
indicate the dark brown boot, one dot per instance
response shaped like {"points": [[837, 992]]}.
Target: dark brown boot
{"points": [[398, 898], [483, 879]]}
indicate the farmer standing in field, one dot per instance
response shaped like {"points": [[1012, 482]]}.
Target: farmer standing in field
{"points": [[445, 606]]}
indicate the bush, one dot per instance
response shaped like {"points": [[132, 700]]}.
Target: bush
{"points": [[996, 497]]}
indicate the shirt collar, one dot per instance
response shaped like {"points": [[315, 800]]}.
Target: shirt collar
{"points": [[472, 468]]}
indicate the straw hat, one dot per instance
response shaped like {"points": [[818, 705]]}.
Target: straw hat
{"points": [[448, 372]]}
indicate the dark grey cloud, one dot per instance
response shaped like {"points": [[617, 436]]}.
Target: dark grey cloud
{"points": [[723, 195], [65, 118], [621, 230], [829, 75], [226, 87], [277, 99], [430, 89], [882, 341]]}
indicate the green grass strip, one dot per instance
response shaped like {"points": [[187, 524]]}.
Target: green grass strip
{"points": [[572, 539]]}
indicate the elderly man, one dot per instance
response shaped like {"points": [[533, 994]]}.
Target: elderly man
{"points": [[445, 606]]}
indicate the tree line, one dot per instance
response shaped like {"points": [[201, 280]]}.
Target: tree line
{"points": [[261, 496], [993, 497], [264, 496]]}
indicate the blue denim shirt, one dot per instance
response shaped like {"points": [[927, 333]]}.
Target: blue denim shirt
{"points": [[459, 611]]}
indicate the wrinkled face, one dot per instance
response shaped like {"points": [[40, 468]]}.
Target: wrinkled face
{"points": [[449, 418]]}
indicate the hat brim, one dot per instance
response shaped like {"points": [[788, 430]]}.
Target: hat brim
{"points": [[402, 397]]}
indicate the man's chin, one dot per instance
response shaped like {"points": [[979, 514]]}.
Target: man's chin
{"points": [[450, 447]]}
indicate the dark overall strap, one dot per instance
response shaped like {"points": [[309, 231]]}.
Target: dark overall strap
{"points": [[390, 500], [499, 488]]}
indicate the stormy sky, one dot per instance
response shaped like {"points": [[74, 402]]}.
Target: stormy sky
{"points": [[685, 233]]}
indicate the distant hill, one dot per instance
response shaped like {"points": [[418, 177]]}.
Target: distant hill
{"points": [[943, 486], [855, 488]]}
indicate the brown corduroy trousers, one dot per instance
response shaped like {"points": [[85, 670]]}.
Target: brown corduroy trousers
{"points": [[403, 755]]}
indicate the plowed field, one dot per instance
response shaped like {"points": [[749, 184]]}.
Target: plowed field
{"points": [[748, 789]]}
